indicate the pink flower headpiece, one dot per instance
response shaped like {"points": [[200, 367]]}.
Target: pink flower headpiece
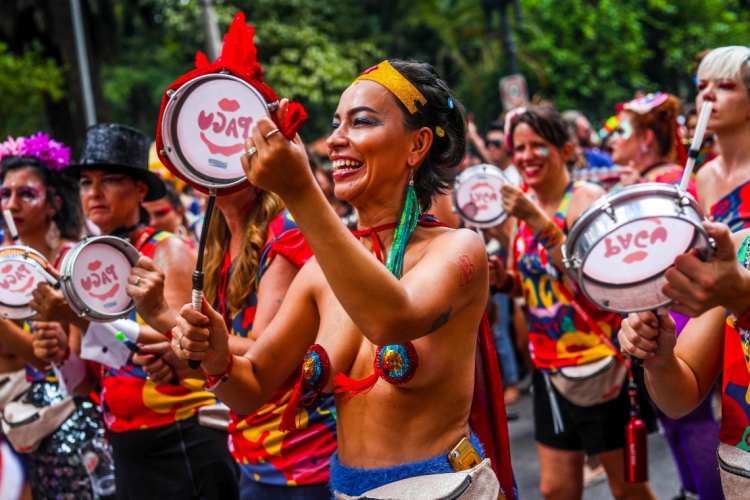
{"points": [[54, 155]]}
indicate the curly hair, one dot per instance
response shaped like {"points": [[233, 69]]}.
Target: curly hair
{"points": [[68, 213], [662, 120], [433, 177], [245, 267]]}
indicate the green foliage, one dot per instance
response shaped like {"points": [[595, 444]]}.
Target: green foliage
{"points": [[26, 80]]}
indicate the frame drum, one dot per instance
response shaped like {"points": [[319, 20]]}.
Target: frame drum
{"points": [[619, 248], [93, 277], [477, 198], [204, 127], [19, 276]]}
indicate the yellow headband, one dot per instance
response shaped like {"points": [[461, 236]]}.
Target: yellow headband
{"points": [[387, 76]]}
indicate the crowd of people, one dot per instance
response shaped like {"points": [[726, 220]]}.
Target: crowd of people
{"points": [[325, 275]]}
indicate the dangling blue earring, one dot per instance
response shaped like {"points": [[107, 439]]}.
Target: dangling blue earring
{"points": [[406, 226]]}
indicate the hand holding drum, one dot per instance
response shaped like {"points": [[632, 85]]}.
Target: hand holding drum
{"points": [[649, 337]]}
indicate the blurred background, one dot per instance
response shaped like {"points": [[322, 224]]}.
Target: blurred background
{"points": [[582, 54]]}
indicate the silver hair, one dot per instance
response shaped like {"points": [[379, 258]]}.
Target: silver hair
{"points": [[727, 63]]}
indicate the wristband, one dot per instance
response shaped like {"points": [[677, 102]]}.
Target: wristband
{"points": [[70, 372], [212, 382], [550, 236]]}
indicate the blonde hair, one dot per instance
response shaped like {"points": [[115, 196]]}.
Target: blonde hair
{"points": [[727, 63], [267, 207]]}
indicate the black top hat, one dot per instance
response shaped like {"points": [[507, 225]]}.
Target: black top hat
{"points": [[113, 147]]}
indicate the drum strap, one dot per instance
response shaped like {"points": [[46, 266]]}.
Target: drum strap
{"points": [[144, 237], [595, 328]]}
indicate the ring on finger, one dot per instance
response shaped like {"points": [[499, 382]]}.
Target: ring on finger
{"points": [[179, 342], [137, 280], [251, 152], [270, 133]]}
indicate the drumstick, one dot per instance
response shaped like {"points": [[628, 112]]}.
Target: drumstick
{"points": [[661, 311], [198, 274], [133, 347], [695, 147], [11, 226]]}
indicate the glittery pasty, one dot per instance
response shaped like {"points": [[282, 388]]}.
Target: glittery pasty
{"points": [[396, 363], [316, 368]]}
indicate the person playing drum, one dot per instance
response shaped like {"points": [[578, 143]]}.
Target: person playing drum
{"points": [[157, 442], [680, 371], [409, 322], [558, 336], [253, 239], [46, 211], [724, 183], [646, 143]]}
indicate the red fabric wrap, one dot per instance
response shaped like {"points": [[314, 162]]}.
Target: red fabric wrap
{"points": [[239, 58], [487, 418]]}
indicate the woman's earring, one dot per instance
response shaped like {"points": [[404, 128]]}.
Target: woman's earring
{"points": [[411, 178], [52, 238], [644, 148]]}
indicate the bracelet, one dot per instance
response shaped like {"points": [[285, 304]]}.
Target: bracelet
{"points": [[550, 236], [212, 382]]}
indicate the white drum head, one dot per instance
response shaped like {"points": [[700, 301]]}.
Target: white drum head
{"points": [[477, 197], [99, 277], [19, 276], [205, 125], [638, 250]]}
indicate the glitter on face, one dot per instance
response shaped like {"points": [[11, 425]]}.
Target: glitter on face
{"points": [[31, 193], [544, 152], [623, 131]]}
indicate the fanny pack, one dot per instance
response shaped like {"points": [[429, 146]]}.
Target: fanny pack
{"points": [[591, 384], [214, 416], [734, 467], [11, 385], [26, 425], [479, 483]]}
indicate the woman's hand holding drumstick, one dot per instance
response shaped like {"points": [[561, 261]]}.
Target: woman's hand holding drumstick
{"points": [[649, 337], [202, 336], [50, 341]]}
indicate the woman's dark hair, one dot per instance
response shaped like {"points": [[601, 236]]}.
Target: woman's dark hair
{"points": [[433, 176], [62, 193], [546, 122]]}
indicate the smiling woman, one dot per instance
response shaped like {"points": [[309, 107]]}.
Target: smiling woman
{"points": [[560, 338], [386, 322]]}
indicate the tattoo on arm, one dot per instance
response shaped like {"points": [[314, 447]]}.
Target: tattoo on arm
{"points": [[441, 320], [467, 270]]}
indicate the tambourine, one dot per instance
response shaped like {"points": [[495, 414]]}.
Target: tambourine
{"points": [[93, 278], [203, 130], [21, 270], [620, 247], [477, 198]]}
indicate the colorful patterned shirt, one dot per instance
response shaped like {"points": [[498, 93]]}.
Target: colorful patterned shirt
{"points": [[735, 403], [130, 401], [558, 336], [733, 209], [263, 452]]}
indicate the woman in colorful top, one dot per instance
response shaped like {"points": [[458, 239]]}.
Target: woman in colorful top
{"points": [[159, 446], [681, 371], [47, 212], [724, 183], [253, 254], [558, 336], [646, 142], [410, 322]]}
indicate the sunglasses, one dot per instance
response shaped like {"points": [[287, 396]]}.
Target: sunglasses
{"points": [[495, 143]]}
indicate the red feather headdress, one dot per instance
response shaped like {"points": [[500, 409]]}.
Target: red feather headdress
{"points": [[239, 58]]}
